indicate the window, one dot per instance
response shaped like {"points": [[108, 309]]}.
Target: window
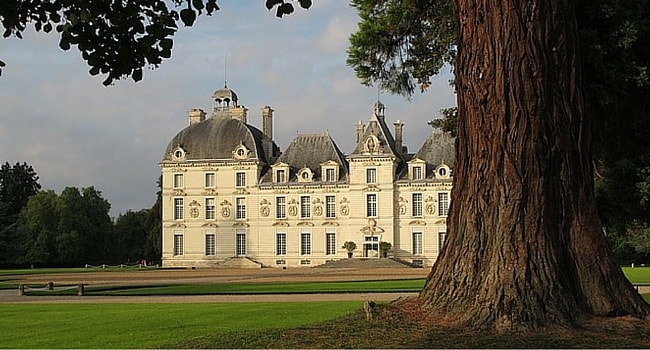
{"points": [[240, 179], [305, 243], [417, 173], [178, 243], [178, 208], [280, 244], [178, 180], [417, 243], [280, 208], [210, 179], [443, 203], [280, 175], [305, 208], [210, 244], [330, 243], [330, 174], [241, 208], [240, 244], [442, 239], [371, 175], [330, 207], [210, 209], [416, 204], [371, 205]]}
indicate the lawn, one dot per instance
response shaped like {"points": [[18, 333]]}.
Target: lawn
{"points": [[152, 325]]}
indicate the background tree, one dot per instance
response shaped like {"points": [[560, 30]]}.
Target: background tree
{"points": [[115, 38], [153, 225], [130, 235], [528, 250], [17, 184]]}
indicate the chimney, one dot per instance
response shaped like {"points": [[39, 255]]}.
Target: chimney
{"points": [[196, 115], [267, 121], [360, 130], [399, 127], [239, 113]]}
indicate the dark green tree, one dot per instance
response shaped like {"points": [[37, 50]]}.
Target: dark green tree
{"points": [[130, 234], [116, 38], [525, 247], [153, 247], [17, 184], [38, 225]]}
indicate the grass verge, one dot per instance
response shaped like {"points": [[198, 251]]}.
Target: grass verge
{"points": [[152, 325]]}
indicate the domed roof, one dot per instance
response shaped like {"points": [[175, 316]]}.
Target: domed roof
{"points": [[216, 138], [225, 95]]}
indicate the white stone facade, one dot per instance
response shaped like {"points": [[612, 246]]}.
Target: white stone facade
{"points": [[235, 195]]}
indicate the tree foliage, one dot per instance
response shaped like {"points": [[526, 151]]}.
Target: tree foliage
{"points": [[401, 44], [116, 38]]}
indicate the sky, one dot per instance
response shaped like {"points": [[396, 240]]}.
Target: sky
{"points": [[75, 132]]}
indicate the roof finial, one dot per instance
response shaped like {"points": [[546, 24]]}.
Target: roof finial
{"points": [[225, 71]]}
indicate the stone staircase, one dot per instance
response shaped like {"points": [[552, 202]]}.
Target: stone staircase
{"points": [[365, 263]]}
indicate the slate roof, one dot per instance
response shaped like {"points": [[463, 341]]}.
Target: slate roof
{"points": [[438, 148], [216, 138], [311, 150]]}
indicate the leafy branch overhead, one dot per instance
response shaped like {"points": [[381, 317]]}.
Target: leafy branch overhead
{"points": [[116, 38]]}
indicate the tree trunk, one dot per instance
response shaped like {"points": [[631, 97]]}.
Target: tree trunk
{"points": [[525, 247]]}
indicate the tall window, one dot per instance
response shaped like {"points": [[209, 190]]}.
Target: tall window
{"points": [[241, 208], [330, 206], [417, 173], [178, 180], [371, 175], [281, 243], [330, 243], [280, 175], [178, 208], [416, 204], [178, 243], [442, 239], [371, 205], [305, 207], [210, 179], [240, 179], [240, 244], [210, 209], [330, 174], [417, 243], [280, 208], [443, 203], [305, 243], [210, 244]]}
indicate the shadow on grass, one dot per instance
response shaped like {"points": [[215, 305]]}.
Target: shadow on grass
{"points": [[394, 329]]}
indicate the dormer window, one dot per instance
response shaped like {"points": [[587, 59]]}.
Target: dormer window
{"points": [[280, 172], [417, 169], [280, 175], [178, 153], [305, 175], [241, 152], [330, 171], [443, 171]]}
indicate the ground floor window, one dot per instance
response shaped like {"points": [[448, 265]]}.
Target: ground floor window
{"points": [[330, 243], [210, 244], [305, 243], [417, 243], [178, 243], [240, 244], [281, 243]]}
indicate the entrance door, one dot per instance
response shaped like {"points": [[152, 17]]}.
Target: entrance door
{"points": [[371, 247]]}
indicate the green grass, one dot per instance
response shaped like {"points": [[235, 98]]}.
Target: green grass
{"points": [[152, 325], [637, 275]]}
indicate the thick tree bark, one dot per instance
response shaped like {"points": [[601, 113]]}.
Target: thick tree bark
{"points": [[525, 246]]}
